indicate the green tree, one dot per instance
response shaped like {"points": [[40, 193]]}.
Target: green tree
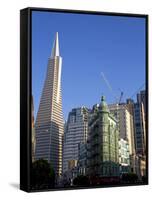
{"points": [[42, 175]]}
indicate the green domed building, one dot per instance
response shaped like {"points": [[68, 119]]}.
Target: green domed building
{"points": [[102, 143]]}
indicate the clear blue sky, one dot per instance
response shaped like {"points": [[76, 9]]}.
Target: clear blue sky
{"points": [[89, 45]]}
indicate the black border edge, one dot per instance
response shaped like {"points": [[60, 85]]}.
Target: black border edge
{"points": [[86, 12], [25, 147], [26, 91]]}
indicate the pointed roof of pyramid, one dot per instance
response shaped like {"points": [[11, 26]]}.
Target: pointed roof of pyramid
{"points": [[55, 49]]}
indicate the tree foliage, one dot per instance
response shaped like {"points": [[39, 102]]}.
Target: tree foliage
{"points": [[42, 175]]}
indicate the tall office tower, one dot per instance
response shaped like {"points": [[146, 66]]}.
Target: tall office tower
{"points": [[49, 122], [75, 133], [141, 98], [102, 143], [82, 161], [140, 123], [126, 125], [33, 133]]}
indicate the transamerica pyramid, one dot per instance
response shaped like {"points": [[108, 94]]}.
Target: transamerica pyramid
{"points": [[49, 124]]}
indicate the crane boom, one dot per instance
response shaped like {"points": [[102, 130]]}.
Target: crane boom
{"points": [[106, 81], [108, 85], [121, 95]]}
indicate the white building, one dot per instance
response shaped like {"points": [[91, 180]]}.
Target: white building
{"points": [[125, 121], [49, 124], [124, 157]]}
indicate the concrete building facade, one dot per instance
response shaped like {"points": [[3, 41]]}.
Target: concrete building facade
{"points": [[82, 159], [126, 124], [124, 156], [102, 143], [49, 124], [140, 123], [76, 131], [33, 133]]}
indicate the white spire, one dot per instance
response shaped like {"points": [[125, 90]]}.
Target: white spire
{"points": [[55, 49]]}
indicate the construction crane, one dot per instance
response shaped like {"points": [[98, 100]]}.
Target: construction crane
{"points": [[118, 99], [121, 95], [137, 90]]}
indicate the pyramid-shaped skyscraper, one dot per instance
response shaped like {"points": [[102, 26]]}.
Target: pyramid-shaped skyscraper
{"points": [[49, 122]]}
